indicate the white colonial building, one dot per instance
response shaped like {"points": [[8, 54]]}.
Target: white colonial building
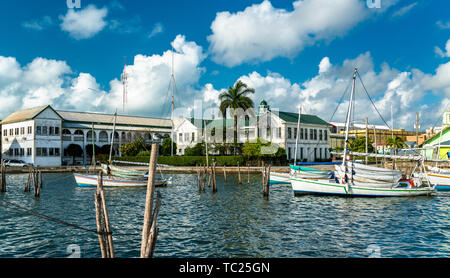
{"points": [[277, 127], [43, 136]]}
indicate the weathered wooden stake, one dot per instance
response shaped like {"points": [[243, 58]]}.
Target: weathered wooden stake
{"points": [[148, 237], [3, 180], [98, 221], [205, 174], [225, 172], [36, 183], [28, 184], [106, 223], [248, 174], [40, 178], [214, 177], [239, 174]]}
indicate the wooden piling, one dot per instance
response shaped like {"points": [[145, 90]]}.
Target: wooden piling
{"points": [[148, 230], [239, 174], [266, 181], [225, 172], [3, 180], [205, 173], [28, 184], [37, 192], [40, 178], [102, 220], [151, 241], [248, 173], [214, 189]]}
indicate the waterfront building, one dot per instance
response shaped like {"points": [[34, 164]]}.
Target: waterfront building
{"points": [[277, 127], [440, 142], [44, 136]]}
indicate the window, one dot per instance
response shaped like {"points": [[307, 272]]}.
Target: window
{"points": [[11, 132], [38, 152], [325, 135], [295, 133], [29, 150], [279, 132], [22, 131], [44, 151], [311, 134], [56, 130], [22, 152], [51, 130], [16, 152], [320, 135], [44, 130], [193, 136], [5, 132], [306, 134], [289, 154], [315, 134], [50, 151], [30, 129], [38, 130], [289, 133], [180, 137], [16, 131], [301, 133], [11, 152], [56, 151]]}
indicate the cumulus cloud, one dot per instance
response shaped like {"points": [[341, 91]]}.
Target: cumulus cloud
{"points": [[85, 23], [262, 32], [441, 53], [46, 81]]}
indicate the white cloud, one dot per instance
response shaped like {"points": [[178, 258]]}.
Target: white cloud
{"points": [[404, 10], [157, 29], [441, 53], [443, 25], [85, 23], [38, 24], [262, 32]]}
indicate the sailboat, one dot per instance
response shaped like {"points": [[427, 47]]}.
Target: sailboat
{"points": [[348, 181], [298, 171]]}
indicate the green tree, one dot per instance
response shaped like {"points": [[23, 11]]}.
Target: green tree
{"points": [[396, 143], [263, 151], [197, 150], [166, 146], [359, 145], [234, 98], [133, 148], [74, 150]]}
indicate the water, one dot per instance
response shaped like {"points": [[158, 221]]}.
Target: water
{"points": [[236, 222]]}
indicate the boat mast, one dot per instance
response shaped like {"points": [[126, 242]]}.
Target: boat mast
{"points": [[172, 80], [347, 124], [296, 139], [112, 138], [93, 147]]}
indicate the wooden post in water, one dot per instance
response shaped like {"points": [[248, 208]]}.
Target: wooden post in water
{"points": [[239, 174], [3, 180], [28, 184], [266, 182], [102, 220], [205, 174], [225, 172], [40, 178], [248, 173], [149, 229], [214, 189], [37, 192]]}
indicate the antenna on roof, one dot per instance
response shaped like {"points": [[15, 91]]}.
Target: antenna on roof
{"points": [[124, 83]]}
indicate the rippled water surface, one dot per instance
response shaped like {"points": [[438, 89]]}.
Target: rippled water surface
{"points": [[235, 222]]}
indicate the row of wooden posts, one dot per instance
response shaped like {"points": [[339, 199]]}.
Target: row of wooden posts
{"points": [[34, 177], [202, 176], [149, 230]]}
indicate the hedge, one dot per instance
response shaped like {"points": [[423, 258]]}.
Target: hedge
{"points": [[187, 160]]}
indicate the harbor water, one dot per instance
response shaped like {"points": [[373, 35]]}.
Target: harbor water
{"points": [[235, 222]]}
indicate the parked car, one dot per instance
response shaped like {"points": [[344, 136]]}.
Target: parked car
{"points": [[16, 163]]}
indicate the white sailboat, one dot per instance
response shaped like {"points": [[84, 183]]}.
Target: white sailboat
{"points": [[346, 185]]}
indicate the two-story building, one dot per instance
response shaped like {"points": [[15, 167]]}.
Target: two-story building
{"points": [[277, 127], [43, 136]]}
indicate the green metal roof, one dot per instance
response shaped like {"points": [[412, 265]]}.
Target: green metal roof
{"points": [[436, 136], [304, 119], [263, 103]]}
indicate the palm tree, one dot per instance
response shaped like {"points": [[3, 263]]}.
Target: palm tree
{"points": [[234, 98], [396, 142]]}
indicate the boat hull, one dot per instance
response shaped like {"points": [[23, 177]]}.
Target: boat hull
{"points": [[442, 181], [278, 178], [91, 181], [327, 187]]}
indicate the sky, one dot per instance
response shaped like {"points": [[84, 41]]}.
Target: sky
{"points": [[71, 54]]}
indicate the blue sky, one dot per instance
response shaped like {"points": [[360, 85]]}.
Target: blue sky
{"points": [[294, 53]]}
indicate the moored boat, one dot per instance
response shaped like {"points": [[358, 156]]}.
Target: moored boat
{"points": [[83, 180]]}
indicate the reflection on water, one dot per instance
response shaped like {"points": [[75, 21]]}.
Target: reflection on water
{"points": [[235, 222]]}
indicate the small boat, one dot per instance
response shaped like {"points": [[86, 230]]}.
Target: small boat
{"points": [[83, 180], [438, 177], [277, 177], [388, 182]]}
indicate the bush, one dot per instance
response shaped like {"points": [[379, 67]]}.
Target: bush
{"points": [[187, 160]]}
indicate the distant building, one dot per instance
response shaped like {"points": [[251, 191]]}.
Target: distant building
{"points": [[277, 127], [440, 142], [42, 135]]}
